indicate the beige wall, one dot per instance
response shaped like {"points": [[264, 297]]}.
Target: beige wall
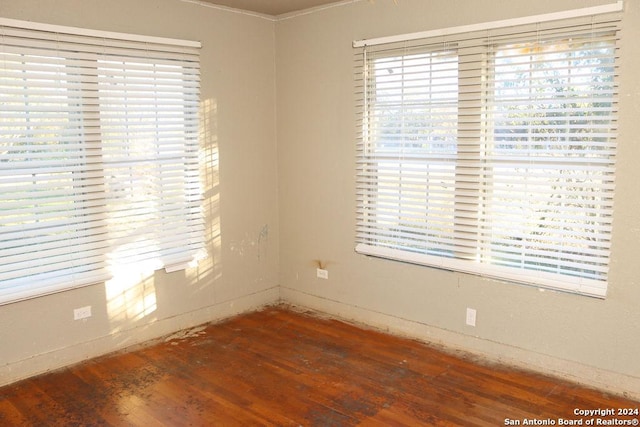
{"points": [[239, 150], [597, 341], [279, 170]]}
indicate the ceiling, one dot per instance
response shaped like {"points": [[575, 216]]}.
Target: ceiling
{"points": [[271, 7]]}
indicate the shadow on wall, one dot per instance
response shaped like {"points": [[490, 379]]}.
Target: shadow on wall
{"points": [[131, 295]]}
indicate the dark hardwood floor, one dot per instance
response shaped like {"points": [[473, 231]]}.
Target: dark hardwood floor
{"points": [[283, 368]]}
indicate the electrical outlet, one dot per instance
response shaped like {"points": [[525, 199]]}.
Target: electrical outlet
{"points": [[82, 313], [322, 274], [471, 316]]}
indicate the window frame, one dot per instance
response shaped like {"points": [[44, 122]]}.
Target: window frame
{"points": [[465, 217], [94, 206]]}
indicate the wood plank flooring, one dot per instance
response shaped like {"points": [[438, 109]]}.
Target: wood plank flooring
{"points": [[279, 367]]}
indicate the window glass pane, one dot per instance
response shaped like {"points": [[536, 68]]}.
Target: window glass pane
{"points": [[99, 162], [493, 153], [552, 112], [42, 180], [412, 124]]}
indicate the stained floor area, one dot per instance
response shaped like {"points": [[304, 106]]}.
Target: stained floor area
{"points": [[281, 367]]}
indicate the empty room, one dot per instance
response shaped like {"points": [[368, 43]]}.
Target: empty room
{"points": [[314, 212]]}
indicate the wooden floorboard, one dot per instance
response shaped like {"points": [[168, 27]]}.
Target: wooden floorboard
{"points": [[280, 367]]}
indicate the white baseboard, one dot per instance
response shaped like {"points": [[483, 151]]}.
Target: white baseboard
{"points": [[590, 376], [120, 340]]}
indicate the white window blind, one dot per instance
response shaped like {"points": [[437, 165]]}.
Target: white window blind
{"points": [[492, 152], [98, 156]]}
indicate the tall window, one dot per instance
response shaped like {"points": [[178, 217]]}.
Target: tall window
{"points": [[98, 156], [492, 152]]}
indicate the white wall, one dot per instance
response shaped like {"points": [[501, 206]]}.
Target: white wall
{"points": [[591, 340], [239, 150]]}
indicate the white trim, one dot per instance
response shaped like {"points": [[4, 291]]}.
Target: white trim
{"points": [[273, 18], [577, 285], [546, 17], [27, 293], [6, 22], [311, 10], [232, 10]]}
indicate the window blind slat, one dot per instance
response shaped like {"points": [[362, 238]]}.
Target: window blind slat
{"points": [[492, 152], [99, 156]]}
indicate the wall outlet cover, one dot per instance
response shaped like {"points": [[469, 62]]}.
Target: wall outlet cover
{"points": [[322, 274], [82, 313]]}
